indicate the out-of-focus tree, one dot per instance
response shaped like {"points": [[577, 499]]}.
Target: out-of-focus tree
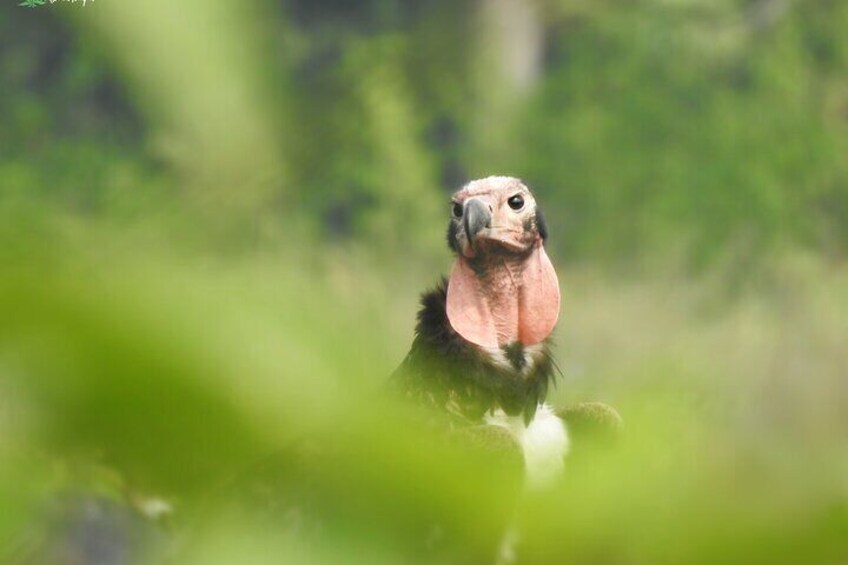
{"points": [[212, 109], [647, 127], [506, 51], [711, 126]]}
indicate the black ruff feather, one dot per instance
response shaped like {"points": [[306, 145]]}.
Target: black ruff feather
{"points": [[444, 370]]}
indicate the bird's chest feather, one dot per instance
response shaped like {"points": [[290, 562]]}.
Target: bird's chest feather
{"points": [[544, 442], [516, 358]]}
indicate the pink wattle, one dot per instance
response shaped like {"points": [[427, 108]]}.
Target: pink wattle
{"points": [[507, 305]]}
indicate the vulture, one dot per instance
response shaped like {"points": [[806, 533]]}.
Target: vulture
{"points": [[481, 350]]}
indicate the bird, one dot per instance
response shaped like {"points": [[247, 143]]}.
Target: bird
{"points": [[481, 352]]}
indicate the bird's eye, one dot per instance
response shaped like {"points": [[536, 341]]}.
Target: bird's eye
{"points": [[516, 202], [457, 210]]}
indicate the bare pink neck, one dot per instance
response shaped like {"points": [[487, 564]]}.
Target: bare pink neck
{"points": [[499, 288], [506, 300]]}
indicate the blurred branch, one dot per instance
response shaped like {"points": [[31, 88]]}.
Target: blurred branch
{"points": [[512, 38], [766, 13], [507, 56], [199, 69]]}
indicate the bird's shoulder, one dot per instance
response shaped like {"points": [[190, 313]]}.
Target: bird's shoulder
{"points": [[436, 346]]}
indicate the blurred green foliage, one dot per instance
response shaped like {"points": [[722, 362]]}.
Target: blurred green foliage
{"points": [[690, 126], [215, 220]]}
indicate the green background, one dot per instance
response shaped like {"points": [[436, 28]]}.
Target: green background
{"points": [[216, 218]]}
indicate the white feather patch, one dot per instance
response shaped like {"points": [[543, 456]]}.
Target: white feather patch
{"points": [[544, 443]]}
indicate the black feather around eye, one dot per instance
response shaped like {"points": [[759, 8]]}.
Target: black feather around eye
{"points": [[541, 225], [452, 230]]}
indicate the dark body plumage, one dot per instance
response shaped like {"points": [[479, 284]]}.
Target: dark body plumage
{"points": [[445, 371]]}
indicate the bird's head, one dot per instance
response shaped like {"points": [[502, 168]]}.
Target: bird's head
{"points": [[494, 217], [503, 288]]}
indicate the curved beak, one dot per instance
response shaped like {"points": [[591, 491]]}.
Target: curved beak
{"points": [[475, 218]]}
